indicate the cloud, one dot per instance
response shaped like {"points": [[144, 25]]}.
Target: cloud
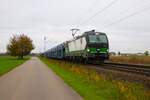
{"points": [[54, 19]]}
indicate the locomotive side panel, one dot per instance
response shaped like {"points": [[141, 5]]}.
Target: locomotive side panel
{"points": [[76, 47]]}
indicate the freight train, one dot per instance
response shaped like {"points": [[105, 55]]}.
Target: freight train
{"points": [[88, 47]]}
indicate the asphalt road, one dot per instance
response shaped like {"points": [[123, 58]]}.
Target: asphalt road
{"points": [[34, 81]]}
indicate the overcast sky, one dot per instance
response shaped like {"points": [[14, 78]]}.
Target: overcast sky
{"points": [[126, 22]]}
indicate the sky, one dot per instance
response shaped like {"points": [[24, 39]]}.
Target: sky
{"points": [[126, 22]]}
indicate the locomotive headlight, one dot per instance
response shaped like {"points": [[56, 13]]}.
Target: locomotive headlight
{"points": [[98, 49], [88, 50]]}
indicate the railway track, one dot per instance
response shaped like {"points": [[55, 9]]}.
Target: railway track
{"points": [[130, 68], [128, 72]]}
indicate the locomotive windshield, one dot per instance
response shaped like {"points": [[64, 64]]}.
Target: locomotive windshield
{"points": [[98, 38]]}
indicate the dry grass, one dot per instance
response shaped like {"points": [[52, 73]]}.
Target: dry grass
{"points": [[131, 59]]}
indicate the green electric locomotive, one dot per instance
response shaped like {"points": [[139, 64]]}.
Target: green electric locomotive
{"points": [[90, 46]]}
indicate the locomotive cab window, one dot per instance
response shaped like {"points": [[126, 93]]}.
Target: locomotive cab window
{"points": [[98, 38]]}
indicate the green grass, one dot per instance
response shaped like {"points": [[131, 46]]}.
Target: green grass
{"points": [[7, 63], [92, 86]]}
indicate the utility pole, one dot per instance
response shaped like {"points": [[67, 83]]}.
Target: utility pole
{"points": [[44, 43], [74, 31]]}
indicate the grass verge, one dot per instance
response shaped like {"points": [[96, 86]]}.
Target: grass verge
{"points": [[7, 63], [94, 86]]}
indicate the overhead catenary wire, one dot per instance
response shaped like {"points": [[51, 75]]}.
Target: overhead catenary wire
{"points": [[99, 12], [75, 30], [129, 8], [133, 6], [128, 16], [89, 9]]}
